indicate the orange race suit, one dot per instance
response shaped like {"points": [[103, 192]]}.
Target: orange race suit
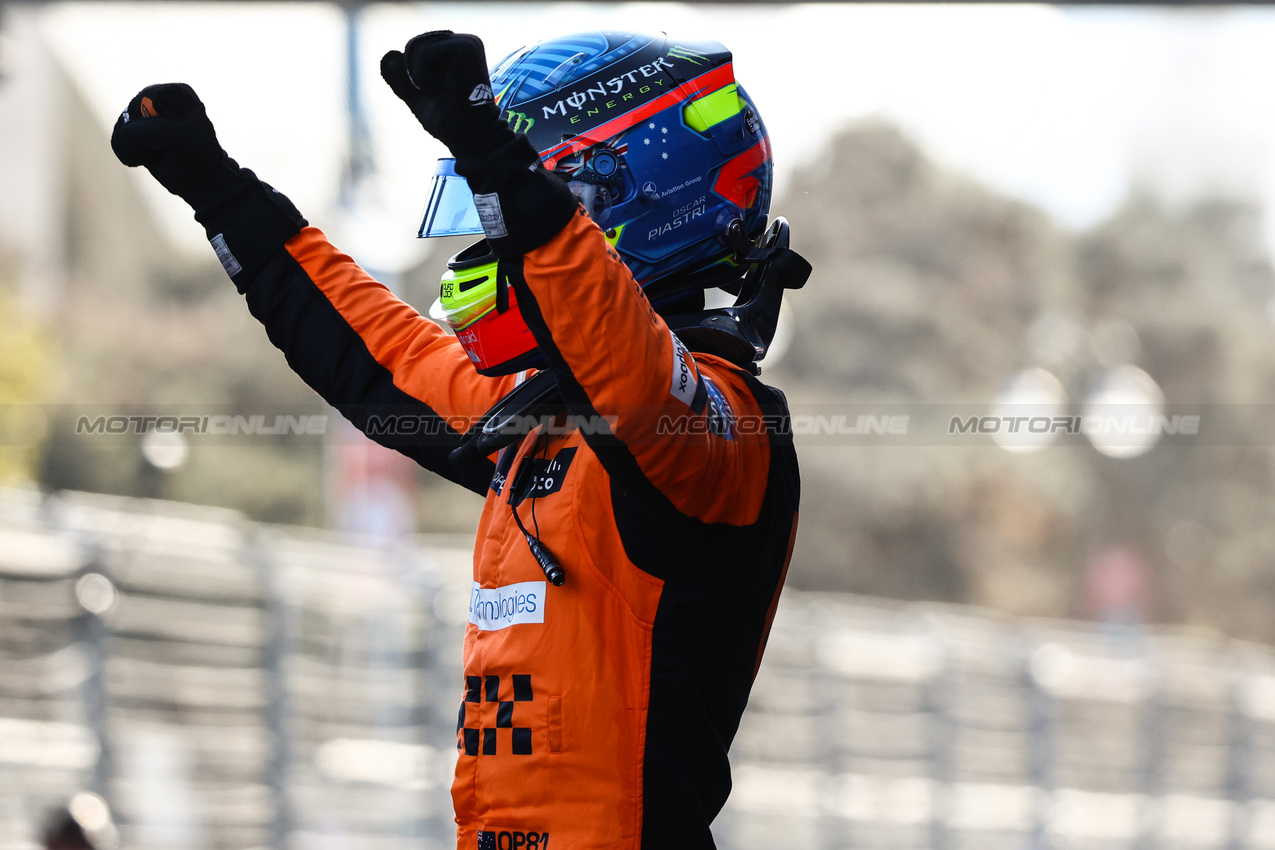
{"points": [[596, 714]]}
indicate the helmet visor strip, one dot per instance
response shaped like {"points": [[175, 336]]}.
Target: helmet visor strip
{"points": [[450, 210]]}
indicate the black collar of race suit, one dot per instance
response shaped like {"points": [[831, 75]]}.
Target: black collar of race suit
{"points": [[740, 334]]}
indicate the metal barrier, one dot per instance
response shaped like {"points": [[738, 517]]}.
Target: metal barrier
{"points": [[224, 684], [926, 726]]}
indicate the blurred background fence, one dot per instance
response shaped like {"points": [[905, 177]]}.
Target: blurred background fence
{"points": [[226, 684], [223, 684]]}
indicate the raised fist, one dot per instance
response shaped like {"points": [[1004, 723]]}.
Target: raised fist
{"points": [[443, 78], [166, 130]]}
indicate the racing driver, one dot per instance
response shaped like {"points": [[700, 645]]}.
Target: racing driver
{"points": [[633, 544]]}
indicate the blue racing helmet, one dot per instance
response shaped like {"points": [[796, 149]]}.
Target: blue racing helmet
{"points": [[663, 147]]}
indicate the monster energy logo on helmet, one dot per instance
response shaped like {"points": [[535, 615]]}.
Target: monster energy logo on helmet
{"points": [[692, 56], [519, 122], [639, 78]]}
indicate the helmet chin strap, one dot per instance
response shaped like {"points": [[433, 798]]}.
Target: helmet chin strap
{"points": [[740, 333]]}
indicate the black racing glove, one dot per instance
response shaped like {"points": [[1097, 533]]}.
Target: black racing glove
{"points": [[166, 129], [443, 79]]}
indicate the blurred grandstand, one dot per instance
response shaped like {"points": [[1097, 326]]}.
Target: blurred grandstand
{"points": [[227, 684]]}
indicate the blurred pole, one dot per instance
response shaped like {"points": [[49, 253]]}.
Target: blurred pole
{"points": [[1241, 744], [1040, 733], [1154, 742], [5, 50], [938, 699], [359, 163], [95, 638], [273, 663], [437, 699], [367, 228]]}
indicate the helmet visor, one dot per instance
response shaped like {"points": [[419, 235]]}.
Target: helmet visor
{"points": [[450, 210]]}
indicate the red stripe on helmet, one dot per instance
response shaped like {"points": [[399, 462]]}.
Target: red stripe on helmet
{"points": [[711, 81], [733, 181]]}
